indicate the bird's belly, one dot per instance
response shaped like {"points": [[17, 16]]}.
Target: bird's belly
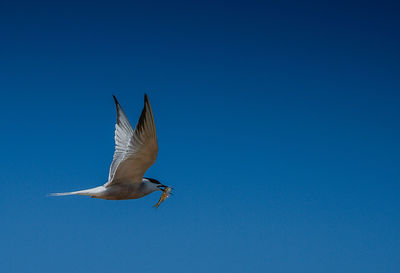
{"points": [[123, 192]]}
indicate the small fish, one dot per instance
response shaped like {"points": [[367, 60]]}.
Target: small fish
{"points": [[164, 196]]}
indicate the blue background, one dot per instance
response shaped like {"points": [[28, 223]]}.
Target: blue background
{"points": [[278, 126]]}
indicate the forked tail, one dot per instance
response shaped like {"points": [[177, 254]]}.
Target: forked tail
{"points": [[88, 192], [64, 193]]}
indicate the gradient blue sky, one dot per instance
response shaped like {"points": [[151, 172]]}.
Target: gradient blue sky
{"points": [[278, 126]]}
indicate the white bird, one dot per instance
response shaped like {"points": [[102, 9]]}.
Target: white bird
{"points": [[135, 151]]}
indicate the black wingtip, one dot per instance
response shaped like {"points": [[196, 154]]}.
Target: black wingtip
{"points": [[146, 98], [115, 99]]}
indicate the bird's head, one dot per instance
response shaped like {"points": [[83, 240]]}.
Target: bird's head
{"points": [[156, 183], [167, 191]]}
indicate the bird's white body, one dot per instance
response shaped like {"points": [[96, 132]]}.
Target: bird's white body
{"points": [[121, 191], [135, 151]]}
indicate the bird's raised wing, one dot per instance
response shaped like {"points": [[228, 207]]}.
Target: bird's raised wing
{"points": [[135, 150]]}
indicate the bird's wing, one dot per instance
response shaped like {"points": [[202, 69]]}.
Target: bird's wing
{"points": [[135, 150]]}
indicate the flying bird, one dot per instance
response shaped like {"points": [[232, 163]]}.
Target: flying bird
{"points": [[135, 151]]}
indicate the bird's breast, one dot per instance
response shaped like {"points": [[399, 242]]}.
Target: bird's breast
{"points": [[126, 191]]}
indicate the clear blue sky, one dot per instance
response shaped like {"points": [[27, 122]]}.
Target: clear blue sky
{"points": [[278, 126]]}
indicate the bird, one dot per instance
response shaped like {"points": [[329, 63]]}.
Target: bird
{"points": [[135, 151]]}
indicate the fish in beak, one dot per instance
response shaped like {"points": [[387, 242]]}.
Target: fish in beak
{"points": [[164, 195]]}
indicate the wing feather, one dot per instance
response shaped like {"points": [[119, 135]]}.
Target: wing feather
{"points": [[135, 150]]}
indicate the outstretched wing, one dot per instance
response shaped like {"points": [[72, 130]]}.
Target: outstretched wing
{"points": [[135, 150]]}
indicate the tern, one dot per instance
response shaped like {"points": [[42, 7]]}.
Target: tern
{"points": [[135, 151]]}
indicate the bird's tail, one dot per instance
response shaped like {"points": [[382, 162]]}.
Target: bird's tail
{"points": [[63, 193], [89, 192]]}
